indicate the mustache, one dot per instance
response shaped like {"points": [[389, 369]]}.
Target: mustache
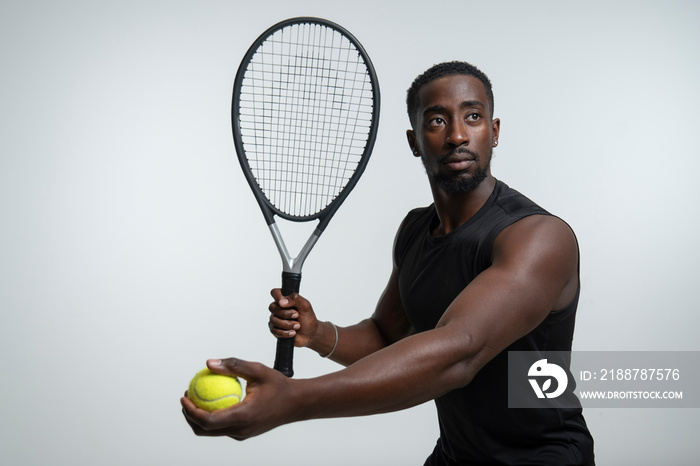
{"points": [[456, 151]]}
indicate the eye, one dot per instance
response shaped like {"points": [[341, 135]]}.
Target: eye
{"points": [[437, 121], [473, 117]]}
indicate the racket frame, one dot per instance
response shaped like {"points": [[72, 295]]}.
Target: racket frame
{"points": [[292, 266]]}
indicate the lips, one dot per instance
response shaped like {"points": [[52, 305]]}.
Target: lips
{"points": [[458, 161], [459, 165]]}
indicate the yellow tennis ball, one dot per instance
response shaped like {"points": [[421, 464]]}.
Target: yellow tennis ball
{"points": [[212, 391]]}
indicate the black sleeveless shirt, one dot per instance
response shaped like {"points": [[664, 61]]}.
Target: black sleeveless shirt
{"points": [[476, 425]]}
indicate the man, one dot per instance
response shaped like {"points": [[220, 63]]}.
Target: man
{"points": [[481, 272]]}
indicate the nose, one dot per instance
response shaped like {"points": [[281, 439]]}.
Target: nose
{"points": [[457, 133]]}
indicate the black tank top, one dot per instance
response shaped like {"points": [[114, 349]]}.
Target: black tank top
{"points": [[476, 425]]}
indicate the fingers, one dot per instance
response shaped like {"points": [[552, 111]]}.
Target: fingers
{"points": [[277, 295], [283, 319], [282, 312], [283, 322], [196, 418], [283, 328], [290, 301], [208, 424], [233, 422], [292, 316], [282, 301]]}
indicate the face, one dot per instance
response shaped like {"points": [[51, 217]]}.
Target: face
{"points": [[454, 134]]}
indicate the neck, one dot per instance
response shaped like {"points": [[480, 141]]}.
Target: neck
{"points": [[454, 209]]}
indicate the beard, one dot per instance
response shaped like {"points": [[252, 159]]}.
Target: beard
{"points": [[456, 184]]}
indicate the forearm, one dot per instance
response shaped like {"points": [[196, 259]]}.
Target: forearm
{"points": [[410, 372], [350, 344]]}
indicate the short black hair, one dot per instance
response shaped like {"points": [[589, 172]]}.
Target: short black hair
{"points": [[441, 70]]}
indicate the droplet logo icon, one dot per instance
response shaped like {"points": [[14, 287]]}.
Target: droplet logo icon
{"points": [[546, 372]]}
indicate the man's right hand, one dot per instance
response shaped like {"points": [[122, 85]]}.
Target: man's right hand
{"points": [[292, 316]]}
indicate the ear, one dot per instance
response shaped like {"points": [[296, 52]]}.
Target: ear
{"points": [[496, 130], [411, 136]]}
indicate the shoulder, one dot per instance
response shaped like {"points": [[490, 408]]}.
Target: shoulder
{"points": [[530, 224], [417, 215], [537, 245], [541, 248], [541, 251], [513, 203], [540, 232]]}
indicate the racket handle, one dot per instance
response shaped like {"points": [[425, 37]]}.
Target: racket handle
{"points": [[285, 346]]}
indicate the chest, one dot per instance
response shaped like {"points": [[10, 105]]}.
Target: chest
{"points": [[432, 274]]}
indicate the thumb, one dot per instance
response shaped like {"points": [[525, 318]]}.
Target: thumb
{"points": [[233, 367]]}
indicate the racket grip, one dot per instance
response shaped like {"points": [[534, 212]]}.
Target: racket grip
{"points": [[285, 346], [290, 283]]}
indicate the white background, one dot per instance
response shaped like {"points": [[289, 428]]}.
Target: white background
{"points": [[131, 249]]}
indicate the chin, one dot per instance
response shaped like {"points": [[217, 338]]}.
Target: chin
{"points": [[459, 183]]}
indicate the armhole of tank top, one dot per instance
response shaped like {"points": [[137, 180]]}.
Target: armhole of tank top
{"points": [[395, 246], [399, 246]]}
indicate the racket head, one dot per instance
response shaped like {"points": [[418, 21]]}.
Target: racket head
{"points": [[304, 115]]}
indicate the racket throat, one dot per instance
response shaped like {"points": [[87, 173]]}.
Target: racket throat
{"points": [[293, 264]]}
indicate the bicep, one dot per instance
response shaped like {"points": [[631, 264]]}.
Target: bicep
{"points": [[534, 270]]}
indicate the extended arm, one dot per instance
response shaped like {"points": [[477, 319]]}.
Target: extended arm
{"points": [[534, 271]]}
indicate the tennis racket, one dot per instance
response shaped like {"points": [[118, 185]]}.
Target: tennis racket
{"points": [[304, 114]]}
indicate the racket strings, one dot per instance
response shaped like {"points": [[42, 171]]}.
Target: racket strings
{"points": [[305, 115]]}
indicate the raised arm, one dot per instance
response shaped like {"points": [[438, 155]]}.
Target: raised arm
{"points": [[534, 271]]}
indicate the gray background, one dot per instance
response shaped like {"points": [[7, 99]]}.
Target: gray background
{"points": [[131, 249]]}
